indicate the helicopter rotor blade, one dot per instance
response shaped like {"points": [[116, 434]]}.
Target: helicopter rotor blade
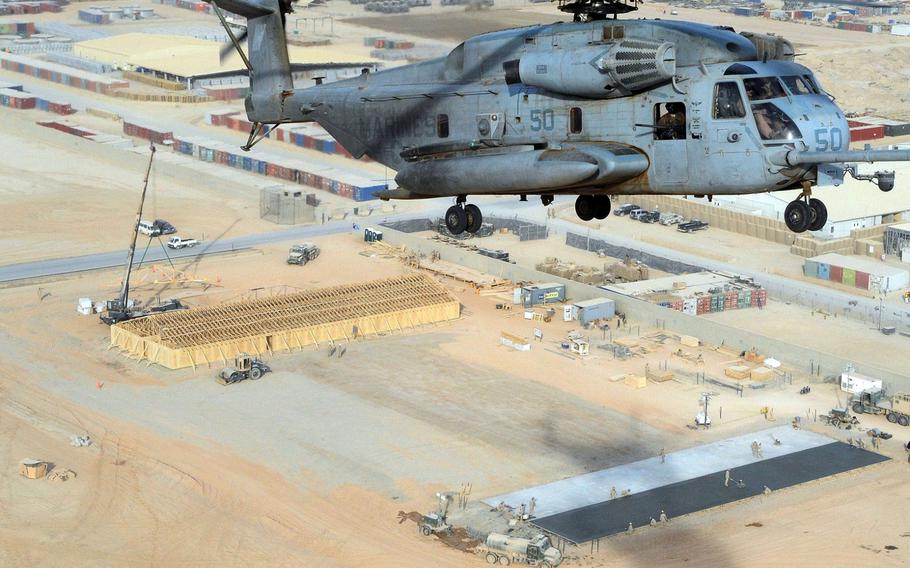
{"points": [[227, 47], [235, 43]]}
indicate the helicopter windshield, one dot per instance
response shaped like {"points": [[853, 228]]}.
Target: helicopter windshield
{"points": [[799, 85], [763, 88], [773, 123]]}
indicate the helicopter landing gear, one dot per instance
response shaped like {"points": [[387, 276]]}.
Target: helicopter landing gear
{"points": [[460, 217], [589, 207], [805, 214], [797, 216], [546, 199], [821, 214]]}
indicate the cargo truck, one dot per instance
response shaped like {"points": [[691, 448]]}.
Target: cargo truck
{"points": [[505, 550], [896, 408]]}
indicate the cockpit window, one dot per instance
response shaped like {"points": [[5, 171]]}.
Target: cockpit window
{"points": [[739, 69], [728, 103], [798, 85], [773, 124], [763, 88]]}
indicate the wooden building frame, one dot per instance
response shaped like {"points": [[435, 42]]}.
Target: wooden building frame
{"points": [[264, 326]]}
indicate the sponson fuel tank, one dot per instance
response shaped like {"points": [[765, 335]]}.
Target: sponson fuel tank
{"points": [[520, 171]]}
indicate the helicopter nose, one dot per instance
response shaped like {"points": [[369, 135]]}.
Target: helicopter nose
{"points": [[826, 128]]}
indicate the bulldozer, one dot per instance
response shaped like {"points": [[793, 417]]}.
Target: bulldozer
{"points": [[302, 253], [245, 367]]}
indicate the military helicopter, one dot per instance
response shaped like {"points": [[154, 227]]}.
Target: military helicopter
{"points": [[594, 107]]}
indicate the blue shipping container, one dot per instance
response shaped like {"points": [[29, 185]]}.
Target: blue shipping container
{"points": [[824, 271]]}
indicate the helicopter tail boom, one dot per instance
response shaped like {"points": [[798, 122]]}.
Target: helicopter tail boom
{"points": [[270, 76]]}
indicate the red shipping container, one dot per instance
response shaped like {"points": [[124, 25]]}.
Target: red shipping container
{"points": [[862, 280], [836, 274], [861, 133]]}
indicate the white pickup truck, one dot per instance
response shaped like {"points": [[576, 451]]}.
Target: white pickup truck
{"points": [[180, 242]]}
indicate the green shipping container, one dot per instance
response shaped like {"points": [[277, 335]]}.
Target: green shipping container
{"points": [[849, 277]]}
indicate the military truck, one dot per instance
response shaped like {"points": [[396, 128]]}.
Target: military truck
{"points": [[302, 253], [873, 401], [505, 550]]}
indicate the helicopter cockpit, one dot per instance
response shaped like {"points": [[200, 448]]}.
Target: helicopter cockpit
{"points": [[773, 100], [772, 122]]}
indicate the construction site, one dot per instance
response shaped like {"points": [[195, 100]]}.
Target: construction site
{"points": [[243, 358]]}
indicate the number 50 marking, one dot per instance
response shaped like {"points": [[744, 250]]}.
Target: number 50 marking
{"points": [[826, 139], [542, 119]]}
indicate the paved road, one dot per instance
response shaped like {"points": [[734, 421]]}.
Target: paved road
{"points": [[155, 253], [58, 266]]}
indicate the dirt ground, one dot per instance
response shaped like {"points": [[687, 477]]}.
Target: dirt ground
{"points": [[313, 463]]}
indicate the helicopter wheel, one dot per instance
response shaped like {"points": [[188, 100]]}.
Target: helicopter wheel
{"points": [[821, 214], [585, 207], [797, 216], [456, 219], [601, 207], [474, 218]]}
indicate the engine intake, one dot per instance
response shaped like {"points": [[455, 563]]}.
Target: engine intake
{"points": [[598, 72]]}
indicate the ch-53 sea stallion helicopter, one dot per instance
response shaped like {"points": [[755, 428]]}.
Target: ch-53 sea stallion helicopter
{"points": [[594, 107]]}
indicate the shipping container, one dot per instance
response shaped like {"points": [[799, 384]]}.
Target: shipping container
{"points": [[849, 278], [810, 269], [543, 294], [836, 274], [824, 271], [862, 280]]}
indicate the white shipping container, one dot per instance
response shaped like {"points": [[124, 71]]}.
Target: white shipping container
{"points": [[900, 29], [854, 383]]}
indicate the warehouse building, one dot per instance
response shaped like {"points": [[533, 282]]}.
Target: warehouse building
{"points": [[196, 63], [857, 272]]}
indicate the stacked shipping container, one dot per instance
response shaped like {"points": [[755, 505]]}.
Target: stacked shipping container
{"points": [[61, 74], [147, 133], [328, 179], [22, 29], [304, 135], [18, 99], [856, 273]]}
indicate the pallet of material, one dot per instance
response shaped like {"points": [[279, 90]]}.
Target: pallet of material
{"points": [[738, 372], [762, 374], [635, 381], [659, 376]]}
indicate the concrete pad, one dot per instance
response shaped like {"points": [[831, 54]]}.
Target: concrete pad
{"points": [[644, 475]]}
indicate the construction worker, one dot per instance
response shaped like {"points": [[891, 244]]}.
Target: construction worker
{"points": [[663, 455], [653, 523], [630, 529], [766, 490], [727, 478], [613, 492], [663, 517]]}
